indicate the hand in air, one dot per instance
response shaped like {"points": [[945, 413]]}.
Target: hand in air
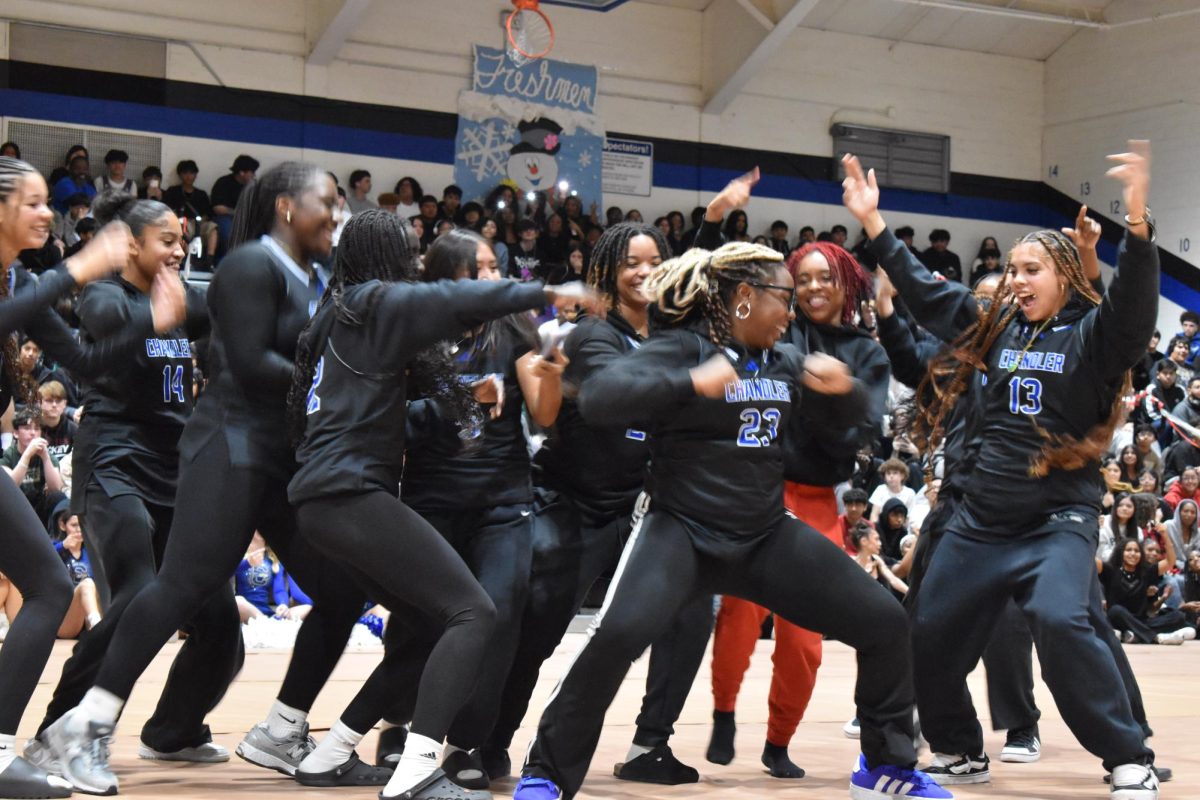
{"points": [[1133, 171], [1086, 232], [577, 293], [860, 191], [735, 195]]}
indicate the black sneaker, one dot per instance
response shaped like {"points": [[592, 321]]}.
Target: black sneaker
{"points": [[1022, 746], [390, 746], [658, 766], [949, 769]]}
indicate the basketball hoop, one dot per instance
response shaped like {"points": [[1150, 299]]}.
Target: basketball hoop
{"points": [[529, 32]]}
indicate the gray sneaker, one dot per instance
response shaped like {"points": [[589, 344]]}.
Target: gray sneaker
{"points": [[42, 757], [280, 754], [207, 753], [82, 751]]}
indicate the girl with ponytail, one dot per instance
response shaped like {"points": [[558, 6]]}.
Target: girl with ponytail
{"points": [[714, 389], [1052, 359], [26, 555], [235, 462]]}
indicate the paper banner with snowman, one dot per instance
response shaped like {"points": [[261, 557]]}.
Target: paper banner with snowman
{"points": [[532, 127]]}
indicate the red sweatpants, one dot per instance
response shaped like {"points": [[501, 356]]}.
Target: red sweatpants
{"points": [[797, 651]]}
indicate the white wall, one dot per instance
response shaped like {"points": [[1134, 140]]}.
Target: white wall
{"points": [[1105, 87]]}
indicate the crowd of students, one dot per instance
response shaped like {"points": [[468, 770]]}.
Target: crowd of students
{"points": [[710, 416]]}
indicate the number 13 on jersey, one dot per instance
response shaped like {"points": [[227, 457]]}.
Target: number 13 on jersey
{"points": [[1025, 396]]}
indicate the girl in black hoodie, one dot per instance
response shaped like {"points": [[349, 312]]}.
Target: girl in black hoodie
{"points": [[1055, 358]]}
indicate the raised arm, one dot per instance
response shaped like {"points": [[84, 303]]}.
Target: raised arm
{"points": [[461, 306], [1126, 317], [735, 195], [945, 308]]}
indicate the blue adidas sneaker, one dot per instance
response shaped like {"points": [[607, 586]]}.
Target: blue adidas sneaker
{"points": [[530, 788], [887, 782]]}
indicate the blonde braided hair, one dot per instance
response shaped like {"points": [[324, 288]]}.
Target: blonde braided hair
{"points": [[702, 281]]}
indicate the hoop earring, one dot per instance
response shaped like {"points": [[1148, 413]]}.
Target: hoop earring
{"points": [[743, 310], [288, 216]]}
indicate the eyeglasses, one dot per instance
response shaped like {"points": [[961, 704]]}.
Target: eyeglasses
{"points": [[791, 290]]}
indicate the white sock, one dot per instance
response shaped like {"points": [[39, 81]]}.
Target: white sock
{"points": [[100, 705], [93, 619], [8, 750], [283, 720], [635, 750], [419, 761], [332, 751]]}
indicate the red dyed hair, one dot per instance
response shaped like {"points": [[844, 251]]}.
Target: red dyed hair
{"points": [[847, 274]]}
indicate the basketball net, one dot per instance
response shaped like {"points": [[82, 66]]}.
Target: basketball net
{"points": [[529, 34]]}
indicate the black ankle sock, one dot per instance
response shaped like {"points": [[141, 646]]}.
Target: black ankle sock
{"points": [[775, 759], [720, 746]]}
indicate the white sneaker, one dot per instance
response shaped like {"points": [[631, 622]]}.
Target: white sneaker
{"points": [[81, 747], [1169, 638], [850, 730], [1134, 782], [38, 754], [206, 753], [1187, 634]]}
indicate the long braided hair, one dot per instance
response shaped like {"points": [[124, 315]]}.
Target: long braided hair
{"points": [[376, 245], [848, 275], [700, 284], [610, 252], [13, 172], [951, 372]]}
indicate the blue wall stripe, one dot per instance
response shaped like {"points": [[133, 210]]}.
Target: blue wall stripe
{"points": [[688, 177]]}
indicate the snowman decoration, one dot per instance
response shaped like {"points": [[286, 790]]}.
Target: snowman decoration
{"points": [[531, 162]]}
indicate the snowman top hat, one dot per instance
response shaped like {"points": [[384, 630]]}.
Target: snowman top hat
{"points": [[538, 136]]}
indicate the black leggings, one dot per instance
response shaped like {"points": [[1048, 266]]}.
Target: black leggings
{"points": [[126, 537], [569, 555], [401, 561], [217, 510], [794, 571], [1146, 629], [28, 560]]}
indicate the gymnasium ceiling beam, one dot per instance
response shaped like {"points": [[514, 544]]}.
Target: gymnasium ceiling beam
{"points": [[732, 62], [330, 36]]}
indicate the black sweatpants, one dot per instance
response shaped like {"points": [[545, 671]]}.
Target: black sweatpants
{"points": [[1050, 577], [27, 558], [401, 561], [1008, 659], [497, 546], [569, 555], [126, 537], [794, 571], [217, 509]]}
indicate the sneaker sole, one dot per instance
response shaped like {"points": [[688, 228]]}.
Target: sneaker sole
{"points": [[151, 754], [958, 780], [863, 793], [1134, 794], [260, 758], [849, 735], [1019, 758]]}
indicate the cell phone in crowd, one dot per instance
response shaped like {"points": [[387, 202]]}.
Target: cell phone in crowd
{"points": [[152, 183], [552, 337]]}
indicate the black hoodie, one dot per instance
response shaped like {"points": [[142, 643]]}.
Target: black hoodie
{"points": [[1061, 380], [600, 467]]}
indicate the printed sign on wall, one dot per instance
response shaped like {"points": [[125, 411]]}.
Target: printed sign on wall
{"points": [[628, 167], [532, 127]]}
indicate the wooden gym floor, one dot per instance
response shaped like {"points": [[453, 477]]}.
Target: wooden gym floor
{"points": [[1066, 772]]}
